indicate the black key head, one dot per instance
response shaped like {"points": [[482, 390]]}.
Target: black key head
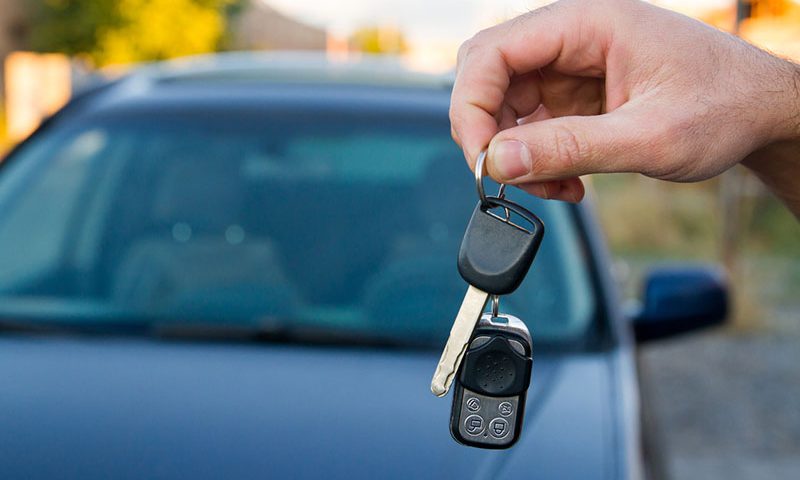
{"points": [[495, 253]]}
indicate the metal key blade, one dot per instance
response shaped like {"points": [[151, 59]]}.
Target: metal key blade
{"points": [[468, 316]]}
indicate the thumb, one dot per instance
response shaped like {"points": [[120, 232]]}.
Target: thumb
{"points": [[565, 147]]}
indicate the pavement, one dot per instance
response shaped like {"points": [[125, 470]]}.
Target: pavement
{"points": [[727, 404]]}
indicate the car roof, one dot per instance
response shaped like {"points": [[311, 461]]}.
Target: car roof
{"points": [[294, 67], [257, 80]]}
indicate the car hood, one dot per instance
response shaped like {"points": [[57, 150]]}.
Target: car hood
{"points": [[134, 408]]}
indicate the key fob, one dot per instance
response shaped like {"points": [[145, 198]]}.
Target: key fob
{"points": [[491, 385]]}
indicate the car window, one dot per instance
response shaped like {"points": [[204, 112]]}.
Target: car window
{"points": [[35, 228], [297, 221]]}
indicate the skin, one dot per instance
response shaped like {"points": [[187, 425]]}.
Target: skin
{"points": [[602, 86]]}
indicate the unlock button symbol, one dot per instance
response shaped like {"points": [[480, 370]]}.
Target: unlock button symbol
{"points": [[498, 428]]}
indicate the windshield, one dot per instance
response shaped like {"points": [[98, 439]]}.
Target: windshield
{"points": [[301, 221]]}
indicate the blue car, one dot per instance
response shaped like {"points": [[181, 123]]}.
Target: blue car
{"points": [[244, 266]]}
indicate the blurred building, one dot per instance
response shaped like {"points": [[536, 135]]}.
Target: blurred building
{"points": [[13, 24], [13, 28], [774, 25], [257, 26], [770, 24], [36, 86]]}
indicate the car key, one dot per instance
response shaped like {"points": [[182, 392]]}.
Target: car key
{"points": [[494, 258], [492, 384]]}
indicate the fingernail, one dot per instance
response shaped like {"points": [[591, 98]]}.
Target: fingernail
{"points": [[511, 159]]}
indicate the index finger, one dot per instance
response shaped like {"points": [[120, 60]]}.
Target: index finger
{"points": [[486, 64]]}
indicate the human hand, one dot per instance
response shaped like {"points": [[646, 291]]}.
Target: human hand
{"points": [[599, 86]]}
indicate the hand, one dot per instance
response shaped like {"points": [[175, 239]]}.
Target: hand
{"points": [[595, 86]]}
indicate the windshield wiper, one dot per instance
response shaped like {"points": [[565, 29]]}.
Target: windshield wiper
{"points": [[55, 325], [286, 331]]}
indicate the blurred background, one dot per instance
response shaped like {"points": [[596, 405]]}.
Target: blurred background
{"points": [[727, 402]]}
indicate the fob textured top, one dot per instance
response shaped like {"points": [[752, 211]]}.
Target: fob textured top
{"points": [[496, 368], [495, 255]]}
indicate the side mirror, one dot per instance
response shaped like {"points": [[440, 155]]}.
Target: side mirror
{"points": [[680, 299]]}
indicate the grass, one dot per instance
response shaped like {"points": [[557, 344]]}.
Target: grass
{"points": [[649, 221]]}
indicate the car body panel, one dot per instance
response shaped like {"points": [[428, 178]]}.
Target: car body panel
{"points": [[137, 408]]}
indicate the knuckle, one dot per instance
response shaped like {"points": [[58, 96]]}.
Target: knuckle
{"points": [[455, 118], [669, 161], [481, 36], [675, 146], [467, 48], [466, 45], [605, 4], [462, 51], [477, 42], [569, 147], [454, 136]]}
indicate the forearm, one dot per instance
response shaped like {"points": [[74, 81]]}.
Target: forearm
{"points": [[778, 163], [778, 166]]}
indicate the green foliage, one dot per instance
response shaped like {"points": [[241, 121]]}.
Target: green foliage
{"points": [[773, 229], [72, 27], [125, 31], [643, 216], [648, 221], [651, 217]]}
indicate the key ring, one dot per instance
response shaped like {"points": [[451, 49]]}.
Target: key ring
{"points": [[479, 164], [495, 306], [501, 193]]}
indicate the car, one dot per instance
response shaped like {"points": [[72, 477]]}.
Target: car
{"points": [[244, 266]]}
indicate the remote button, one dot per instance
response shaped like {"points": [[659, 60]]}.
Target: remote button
{"points": [[498, 428], [505, 409], [517, 347], [479, 341], [473, 404], [474, 424]]}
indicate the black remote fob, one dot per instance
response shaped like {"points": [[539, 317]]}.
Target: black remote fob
{"points": [[492, 383]]}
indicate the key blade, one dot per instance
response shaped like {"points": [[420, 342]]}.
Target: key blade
{"points": [[468, 315]]}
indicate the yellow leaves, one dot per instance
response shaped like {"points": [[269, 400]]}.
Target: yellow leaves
{"points": [[160, 29], [379, 40]]}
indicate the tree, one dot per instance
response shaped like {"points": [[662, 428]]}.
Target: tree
{"points": [[379, 40], [71, 26], [125, 31]]}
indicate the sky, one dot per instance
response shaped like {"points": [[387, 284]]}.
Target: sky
{"points": [[433, 29], [428, 21]]}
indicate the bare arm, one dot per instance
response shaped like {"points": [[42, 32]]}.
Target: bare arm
{"points": [[778, 164]]}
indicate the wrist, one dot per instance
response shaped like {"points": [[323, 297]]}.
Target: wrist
{"points": [[778, 166], [793, 117], [777, 161], [786, 120]]}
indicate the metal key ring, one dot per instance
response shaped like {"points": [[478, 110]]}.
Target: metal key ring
{"points": [[501, 193], [479, 164]]}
